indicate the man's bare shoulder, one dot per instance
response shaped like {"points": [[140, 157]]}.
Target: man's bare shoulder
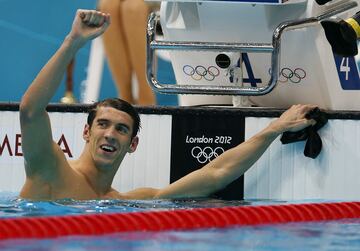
{"points": [[66, 182]]}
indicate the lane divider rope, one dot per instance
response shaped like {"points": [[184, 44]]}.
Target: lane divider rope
{"points": [[184, 219]]}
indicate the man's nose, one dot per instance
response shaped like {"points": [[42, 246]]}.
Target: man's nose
{"points": [[110, 133]]}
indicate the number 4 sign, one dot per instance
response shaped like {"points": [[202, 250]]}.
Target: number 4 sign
{"points": [[348, 71]]}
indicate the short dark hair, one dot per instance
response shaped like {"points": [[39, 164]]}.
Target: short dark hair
{"points": [[120, 105]]}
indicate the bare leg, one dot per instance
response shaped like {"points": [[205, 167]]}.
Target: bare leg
{"points": [[135, 14], [116, 49]]}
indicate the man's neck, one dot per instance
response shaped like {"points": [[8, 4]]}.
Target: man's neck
{"points": [[97, 178]]}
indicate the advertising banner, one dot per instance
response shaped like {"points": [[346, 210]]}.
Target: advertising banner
{"points": [[199, 138]]}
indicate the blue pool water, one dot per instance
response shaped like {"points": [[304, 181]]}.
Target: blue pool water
{"points": [[11, 206], [330, 235]]}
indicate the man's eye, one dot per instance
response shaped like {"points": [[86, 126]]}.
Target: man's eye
{"points": [[122, 129], [102, 124]]}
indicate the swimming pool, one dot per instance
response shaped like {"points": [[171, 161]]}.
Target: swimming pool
{"points": [[283, 174], [325, 235]]}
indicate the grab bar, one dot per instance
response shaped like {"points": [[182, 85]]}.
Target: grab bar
{"points": [[274, 49]]}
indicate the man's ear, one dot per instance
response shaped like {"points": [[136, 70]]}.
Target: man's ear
{"points": [[86, 133], [133, 145]]}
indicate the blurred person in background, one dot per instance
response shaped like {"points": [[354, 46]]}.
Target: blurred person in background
{"points": [[125, 47]]}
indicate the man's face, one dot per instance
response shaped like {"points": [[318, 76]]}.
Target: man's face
{"points": [[109, 137]]}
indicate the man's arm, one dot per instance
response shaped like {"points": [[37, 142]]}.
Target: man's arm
{"points": [[40, 152], [232, 163]]}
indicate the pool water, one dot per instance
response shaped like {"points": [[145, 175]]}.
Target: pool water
{"points": [[329, 235], [11, 206]]}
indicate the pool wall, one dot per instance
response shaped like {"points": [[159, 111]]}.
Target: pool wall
{"points": [[283, 172], [170, 137]]}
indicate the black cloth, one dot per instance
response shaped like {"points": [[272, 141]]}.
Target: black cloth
{"points": [[313, 144], [342, 36], [322, 2]]}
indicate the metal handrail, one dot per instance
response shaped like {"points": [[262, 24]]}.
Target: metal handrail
{"points": [[273, 48]]}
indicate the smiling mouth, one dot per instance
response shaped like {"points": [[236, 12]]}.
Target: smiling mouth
{"points": [[108, 148]]}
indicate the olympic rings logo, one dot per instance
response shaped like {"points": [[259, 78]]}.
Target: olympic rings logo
{"points": [[200, 72], [295, 76], [206, 154]]}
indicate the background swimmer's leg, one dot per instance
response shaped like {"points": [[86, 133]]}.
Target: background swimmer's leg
{"points": [[116, 49], [135, 14]]}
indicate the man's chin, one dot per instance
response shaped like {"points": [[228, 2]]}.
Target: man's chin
{"points": [[105, 163]]}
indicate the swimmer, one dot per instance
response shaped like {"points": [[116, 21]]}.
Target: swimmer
{"points": [[111, 133]]}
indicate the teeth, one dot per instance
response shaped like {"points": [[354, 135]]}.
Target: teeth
{"points": [[108, 148]]}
